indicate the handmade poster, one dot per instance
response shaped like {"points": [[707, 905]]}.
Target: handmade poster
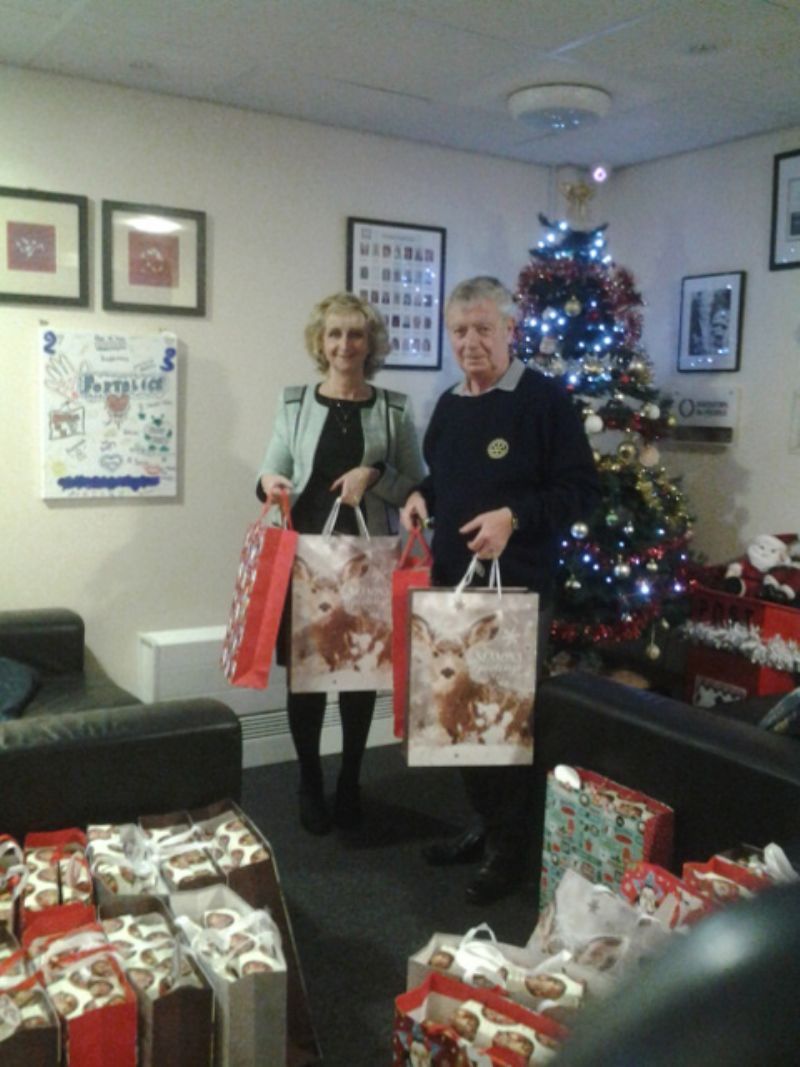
{"points": [[109, 414]]}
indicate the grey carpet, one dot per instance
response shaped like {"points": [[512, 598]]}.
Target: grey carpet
{"points": [[361, 904]]}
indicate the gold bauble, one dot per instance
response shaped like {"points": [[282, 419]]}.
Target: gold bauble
{"points": [[573, 307], [627, 451]]}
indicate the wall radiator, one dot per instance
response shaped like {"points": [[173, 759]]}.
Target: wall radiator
{"points": [[173, 664]]}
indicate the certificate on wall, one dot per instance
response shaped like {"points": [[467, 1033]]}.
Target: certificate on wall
{"points": [[399, 269], [109, 415]]}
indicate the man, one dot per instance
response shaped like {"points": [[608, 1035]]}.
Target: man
{"points": [[510, 471]]}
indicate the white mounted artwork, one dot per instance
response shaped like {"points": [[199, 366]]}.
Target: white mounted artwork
{"points": [[110, 414]]}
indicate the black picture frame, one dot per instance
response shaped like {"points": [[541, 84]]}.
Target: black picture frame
{"points": [[712, 313], [154, 259], [784, 252], [45, 253], [398, 267]]}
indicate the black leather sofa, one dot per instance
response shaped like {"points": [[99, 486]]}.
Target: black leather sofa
{"points": [[84, 750], [728, 781]]}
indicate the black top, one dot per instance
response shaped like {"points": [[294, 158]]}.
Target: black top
{"points": [[523, 448], [339, 449]]}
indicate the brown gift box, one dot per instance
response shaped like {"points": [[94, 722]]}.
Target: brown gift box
{"points": [[177, 1028]]}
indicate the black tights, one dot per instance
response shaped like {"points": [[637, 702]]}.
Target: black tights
{"points": [[306, 713]]}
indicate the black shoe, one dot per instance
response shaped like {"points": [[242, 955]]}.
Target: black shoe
{"points": [[347, 807], [496, 879], [314, 815], [466, 847]]}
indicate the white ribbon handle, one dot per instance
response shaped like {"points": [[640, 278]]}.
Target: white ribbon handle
{"points": [[778, 866], [476, 567], [330, 522]]}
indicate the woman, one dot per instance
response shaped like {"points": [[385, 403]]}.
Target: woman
{"points": [[343, 438]]}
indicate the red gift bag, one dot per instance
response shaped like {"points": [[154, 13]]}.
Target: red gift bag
{"points": [[443, 1022], [262, 582], [41, 921], [413, 572]]}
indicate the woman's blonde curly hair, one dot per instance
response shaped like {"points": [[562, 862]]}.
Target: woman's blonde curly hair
{"points": [[341, 303]]}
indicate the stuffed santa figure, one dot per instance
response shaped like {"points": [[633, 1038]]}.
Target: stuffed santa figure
{"points": [[745, 576]]}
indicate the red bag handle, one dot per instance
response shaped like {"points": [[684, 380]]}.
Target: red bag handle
{"points": [[285, 510], [415, 540]]}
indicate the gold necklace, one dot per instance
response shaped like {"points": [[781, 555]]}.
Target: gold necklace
{"points": [[343, 412]]}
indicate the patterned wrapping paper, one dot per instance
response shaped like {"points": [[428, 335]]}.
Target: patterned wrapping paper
{"points": [[444, 1022], [151, 956], [598, 828]]}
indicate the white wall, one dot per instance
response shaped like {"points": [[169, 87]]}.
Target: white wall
{"points": [[277, 193], [704, 213]]}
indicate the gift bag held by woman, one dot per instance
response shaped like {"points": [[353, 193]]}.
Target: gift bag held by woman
{"points": [[412, 572], [341, 610], [472, 674], [262, 582]]}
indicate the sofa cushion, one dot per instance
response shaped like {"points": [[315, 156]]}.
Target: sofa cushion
{"points": [[18, 683]]}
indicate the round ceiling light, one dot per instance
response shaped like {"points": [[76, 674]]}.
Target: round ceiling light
{"points": [[556, 108]]}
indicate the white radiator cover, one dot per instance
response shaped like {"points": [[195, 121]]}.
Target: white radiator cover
{"points": [[174, 664]]}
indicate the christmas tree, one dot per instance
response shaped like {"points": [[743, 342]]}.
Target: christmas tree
{"points": [[622, 572]]}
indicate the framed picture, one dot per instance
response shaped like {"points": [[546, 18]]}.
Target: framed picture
{"points": [[45, 254], [154, 259], [785, 247], [711, 322], [399, 268]]}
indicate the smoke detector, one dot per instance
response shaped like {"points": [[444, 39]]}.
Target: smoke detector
{"points": [[558, 108]]}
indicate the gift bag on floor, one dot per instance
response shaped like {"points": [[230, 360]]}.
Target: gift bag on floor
{"points": [[598, 828], [444, 1022], [262, 582], [342, 610], [413, 572], [472, 674]]}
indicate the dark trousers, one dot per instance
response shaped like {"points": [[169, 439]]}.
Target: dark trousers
{"points": [[306, 715]]}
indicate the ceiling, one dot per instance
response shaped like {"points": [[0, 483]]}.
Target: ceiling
{"points": [[682, 74]]}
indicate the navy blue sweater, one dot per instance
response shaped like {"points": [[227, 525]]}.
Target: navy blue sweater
{"points": [[525, 449]]}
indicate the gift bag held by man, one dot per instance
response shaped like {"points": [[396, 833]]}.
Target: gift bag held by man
{"points": [[412, 572], [472, 674], [262, 582], [341, 610]]}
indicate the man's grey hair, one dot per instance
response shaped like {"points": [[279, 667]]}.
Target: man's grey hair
{"points": [[483, 287]]}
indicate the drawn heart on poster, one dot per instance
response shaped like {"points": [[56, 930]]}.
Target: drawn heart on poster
{"points": [[111, 463], [117, 405]]}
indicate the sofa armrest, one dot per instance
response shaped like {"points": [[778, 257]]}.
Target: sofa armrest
{"points": [[49, 639], [112, 765], [728, 781]]}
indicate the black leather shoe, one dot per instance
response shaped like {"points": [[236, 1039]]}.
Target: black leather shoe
{"points": [[495, 880], [314, 815], [466, 847]]}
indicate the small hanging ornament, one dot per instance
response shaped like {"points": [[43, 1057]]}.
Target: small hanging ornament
{"points": [[622, 569], [626, 451], [592, 366], [612, 518], [651, 411], [637, 366], [651, 566], [649, 456], [629, 529], [547, 345], [652, 651], [593, 423], [579, 530], [573, 306], [572, 583]]}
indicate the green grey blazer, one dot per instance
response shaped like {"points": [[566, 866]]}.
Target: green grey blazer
{"points": [[390, 438]]}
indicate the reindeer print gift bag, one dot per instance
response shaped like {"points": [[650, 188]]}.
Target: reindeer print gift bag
{"points": [[472, 677], [342, 613]]}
